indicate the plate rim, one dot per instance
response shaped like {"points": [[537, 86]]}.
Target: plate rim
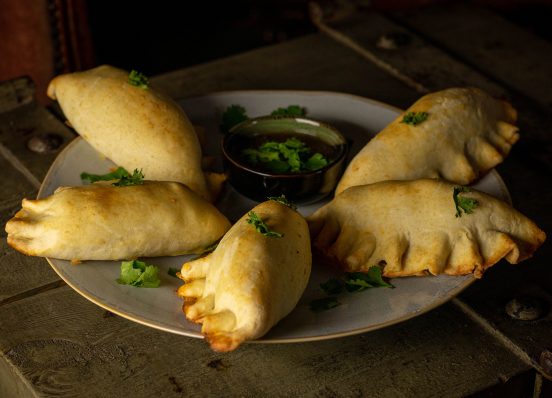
{"points": [[156, 325]]}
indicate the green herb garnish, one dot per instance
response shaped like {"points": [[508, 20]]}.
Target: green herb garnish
{"points": [[114, 175], [292, 155], [324, 304], [138, 79], [232, 116], [137, 178], [359, 281], [352, 282], [414, 118], [172, 271], [332, 286], [283, 200], [292, 110], [139, 274], [120, 174], [260, 225], [462, 203]]}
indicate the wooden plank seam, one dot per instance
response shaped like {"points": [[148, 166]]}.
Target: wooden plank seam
{"points": [[317, 18], [16, 163], [502, 338]]}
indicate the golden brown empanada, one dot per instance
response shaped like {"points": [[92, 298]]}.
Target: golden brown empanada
{"points": [[410, 228], [251, 281], [134, 127], [466, 133], [104, 222]]}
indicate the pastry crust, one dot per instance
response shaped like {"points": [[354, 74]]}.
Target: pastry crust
{"points": [[251, 281], [467, 132], [104, 222], [134, 127], [410, 228]]}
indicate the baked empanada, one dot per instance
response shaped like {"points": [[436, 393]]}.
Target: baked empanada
{"points": [[466, 133], [136, 128], [251, 281], [410, 228], [104, 222]]}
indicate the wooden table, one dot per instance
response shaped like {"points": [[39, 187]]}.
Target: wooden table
{"points": [[53, 342]]}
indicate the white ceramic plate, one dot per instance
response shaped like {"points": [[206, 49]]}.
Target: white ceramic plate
{"points": [[358, 118]]}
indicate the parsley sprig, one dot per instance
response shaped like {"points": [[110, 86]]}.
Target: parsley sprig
{"points": [[139, 274], [462, 203], [138, 79], [235, 114], [292, 155], [260, 225], [283, 200], [414, 118], [352, 282], [120, 174]]}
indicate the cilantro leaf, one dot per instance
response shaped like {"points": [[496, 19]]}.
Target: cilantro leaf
{"points": [[292, 110], [232, 116], [315, 162], [462, 203], [324, 304], [260, 225], [114, 175], [283, 200], [138, 79], [172, 271], [292, 155], [359, 281], [414, 118], [120, 174], [138, 273], [332, 286], [137, 178]]}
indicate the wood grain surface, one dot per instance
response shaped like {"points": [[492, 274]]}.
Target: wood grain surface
{"points": [[53, 342]]}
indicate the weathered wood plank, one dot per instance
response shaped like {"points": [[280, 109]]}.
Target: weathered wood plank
{"points": [[309, 63], [66, 346], [13, 185], [515, 57], [525, 170], [32, 122]]}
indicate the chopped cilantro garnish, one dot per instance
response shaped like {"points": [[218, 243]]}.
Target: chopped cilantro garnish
{"points": [[232, 116], [352, 282], [138, 79], [172, 271], [120, 174], [137, 178], [332, 286], [138, 273], [414, 118], [292, 110], [324, 304], [359, 281], [260, 226], [236, 114], [462, 203], [292, 155], [283, 200]]}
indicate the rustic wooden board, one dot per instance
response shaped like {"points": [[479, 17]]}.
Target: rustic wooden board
{"points": [[66, 346], [516, 58], [525, 170], [309, 63]]}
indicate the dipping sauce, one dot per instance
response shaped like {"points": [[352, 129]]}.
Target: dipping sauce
{"points": [[283, 153], [272, 156]]}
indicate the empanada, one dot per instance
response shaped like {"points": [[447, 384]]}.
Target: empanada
{"points": [[136, 128], [410, 228], [251, 281], [466, 133], [104, 222]]}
